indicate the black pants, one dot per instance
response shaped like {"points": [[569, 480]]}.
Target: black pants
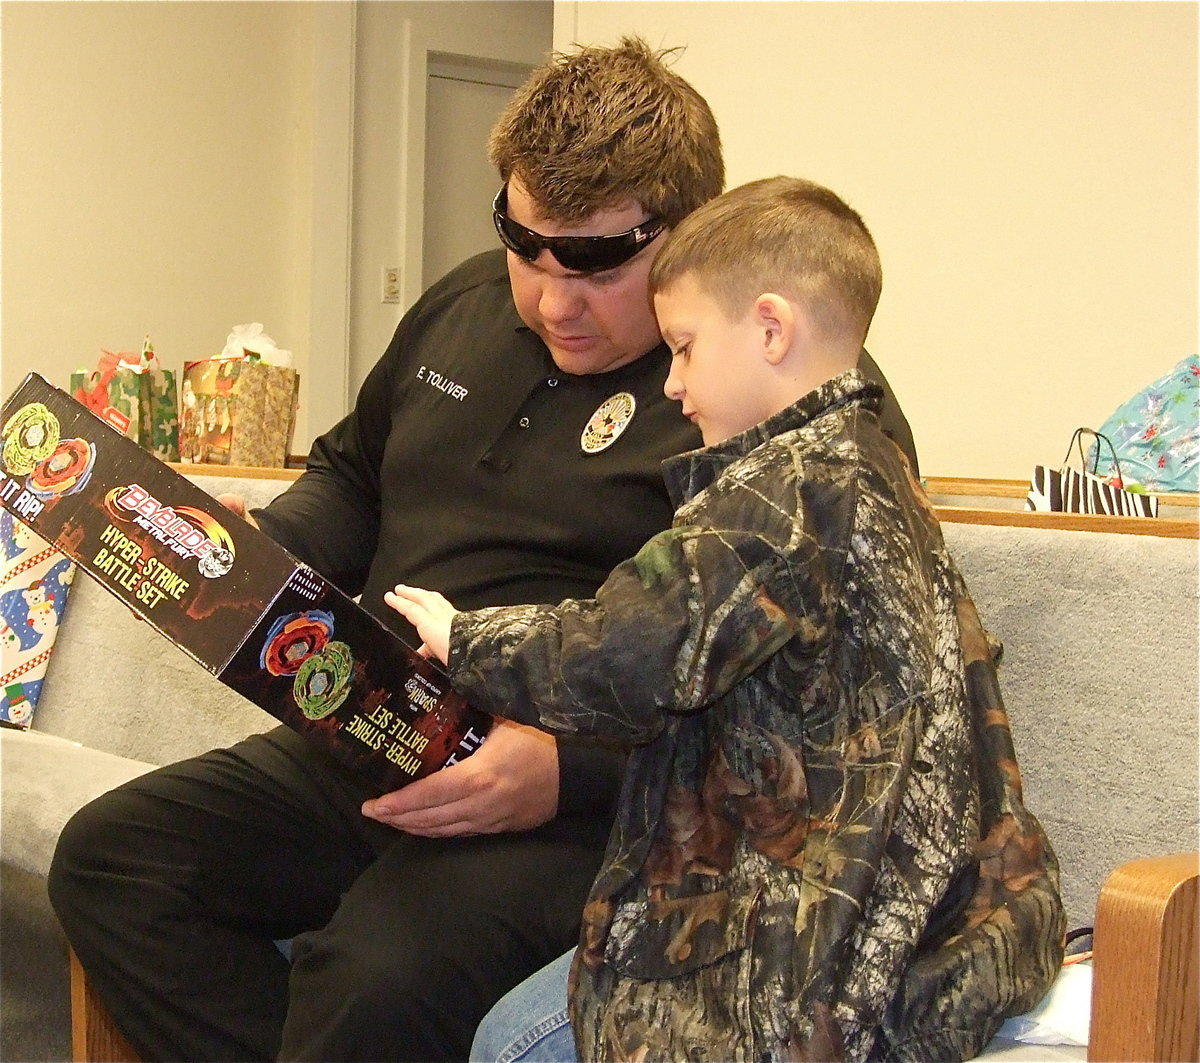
{"points": [[173, 888]]}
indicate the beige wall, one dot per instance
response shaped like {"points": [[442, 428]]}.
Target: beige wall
{"points": [[156, 179], [1028, 170], [179, 168]]}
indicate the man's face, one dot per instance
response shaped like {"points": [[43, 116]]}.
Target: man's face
{"points": [[592, 322]]}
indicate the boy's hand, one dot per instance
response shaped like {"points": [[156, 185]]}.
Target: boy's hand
{"points": [[429, 613]]}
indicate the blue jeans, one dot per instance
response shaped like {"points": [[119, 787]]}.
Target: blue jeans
{"points": [[529, 1024]]}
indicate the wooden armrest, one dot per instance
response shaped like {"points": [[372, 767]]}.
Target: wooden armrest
{"points": [[1145, 980], [94, 1036]]}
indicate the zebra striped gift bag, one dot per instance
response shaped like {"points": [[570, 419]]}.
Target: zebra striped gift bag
{"points": [[1071, 490]]}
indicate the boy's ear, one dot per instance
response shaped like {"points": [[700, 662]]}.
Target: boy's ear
{"points": [[776, 317]]}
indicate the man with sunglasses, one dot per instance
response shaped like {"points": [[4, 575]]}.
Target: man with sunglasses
{"points": [[505, 449]]}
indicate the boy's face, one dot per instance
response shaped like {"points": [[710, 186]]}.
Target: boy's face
{"points": [[718, 367], [592, 322]]}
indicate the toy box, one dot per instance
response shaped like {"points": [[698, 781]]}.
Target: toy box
{"points": [[255, 616]]}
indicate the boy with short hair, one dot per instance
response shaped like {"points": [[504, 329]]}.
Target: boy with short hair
{"points": [[821, 850]]}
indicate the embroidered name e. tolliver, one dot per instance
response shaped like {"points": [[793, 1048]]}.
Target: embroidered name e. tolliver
{"points": [[435, 380]]}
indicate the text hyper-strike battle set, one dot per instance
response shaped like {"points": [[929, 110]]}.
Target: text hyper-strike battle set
{"points": [[261, 621]]}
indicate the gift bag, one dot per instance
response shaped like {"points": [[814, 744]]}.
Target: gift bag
{"points": [[1156, 433], [136, 396], [240, 407], [33, 593], [1070, 490]]}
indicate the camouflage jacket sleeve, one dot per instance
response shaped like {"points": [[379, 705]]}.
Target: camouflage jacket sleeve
{"points": [[671, 630]]}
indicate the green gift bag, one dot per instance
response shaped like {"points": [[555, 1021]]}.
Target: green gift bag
{"points": [[136, 396]]}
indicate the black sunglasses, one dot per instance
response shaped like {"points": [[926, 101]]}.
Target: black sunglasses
{"points": [[580, 254]]}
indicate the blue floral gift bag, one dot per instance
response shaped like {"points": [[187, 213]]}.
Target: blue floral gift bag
{"points": [[33, 594], [1156, 434]]}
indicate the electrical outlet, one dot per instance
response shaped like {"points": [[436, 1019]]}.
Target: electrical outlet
{"points": [[390, 285]]}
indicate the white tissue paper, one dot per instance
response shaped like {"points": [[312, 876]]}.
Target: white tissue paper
{"points": [[250, 339], [1062, 1017]]}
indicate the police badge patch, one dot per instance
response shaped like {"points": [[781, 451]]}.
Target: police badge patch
{"points": [[608, 422]]}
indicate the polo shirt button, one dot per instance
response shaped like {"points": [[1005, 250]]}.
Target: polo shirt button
{"points": [[553, 381], [524, 422]]}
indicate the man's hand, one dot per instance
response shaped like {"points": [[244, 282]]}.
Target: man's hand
{"points": [[509, 783], [237, 504], [429, 613]]}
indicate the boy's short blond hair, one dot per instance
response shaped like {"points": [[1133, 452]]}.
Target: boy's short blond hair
{"points": [[783, 235], [591, 130]]}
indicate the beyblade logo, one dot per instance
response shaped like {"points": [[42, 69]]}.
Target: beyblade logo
{"points": [[188, 531]]}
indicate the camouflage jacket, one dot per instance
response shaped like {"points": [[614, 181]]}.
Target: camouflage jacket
{"points": [[821, 850]]}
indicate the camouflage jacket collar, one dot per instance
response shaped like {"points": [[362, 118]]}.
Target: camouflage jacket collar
{"points": [[688, 474]]}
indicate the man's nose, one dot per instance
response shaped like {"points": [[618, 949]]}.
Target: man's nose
{"points": [[561, 299]]}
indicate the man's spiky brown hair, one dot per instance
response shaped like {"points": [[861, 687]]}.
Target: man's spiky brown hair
{"points": [[598, 127]]}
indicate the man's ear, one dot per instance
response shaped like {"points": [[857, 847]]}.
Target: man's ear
{"points": [[776, 317]]}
